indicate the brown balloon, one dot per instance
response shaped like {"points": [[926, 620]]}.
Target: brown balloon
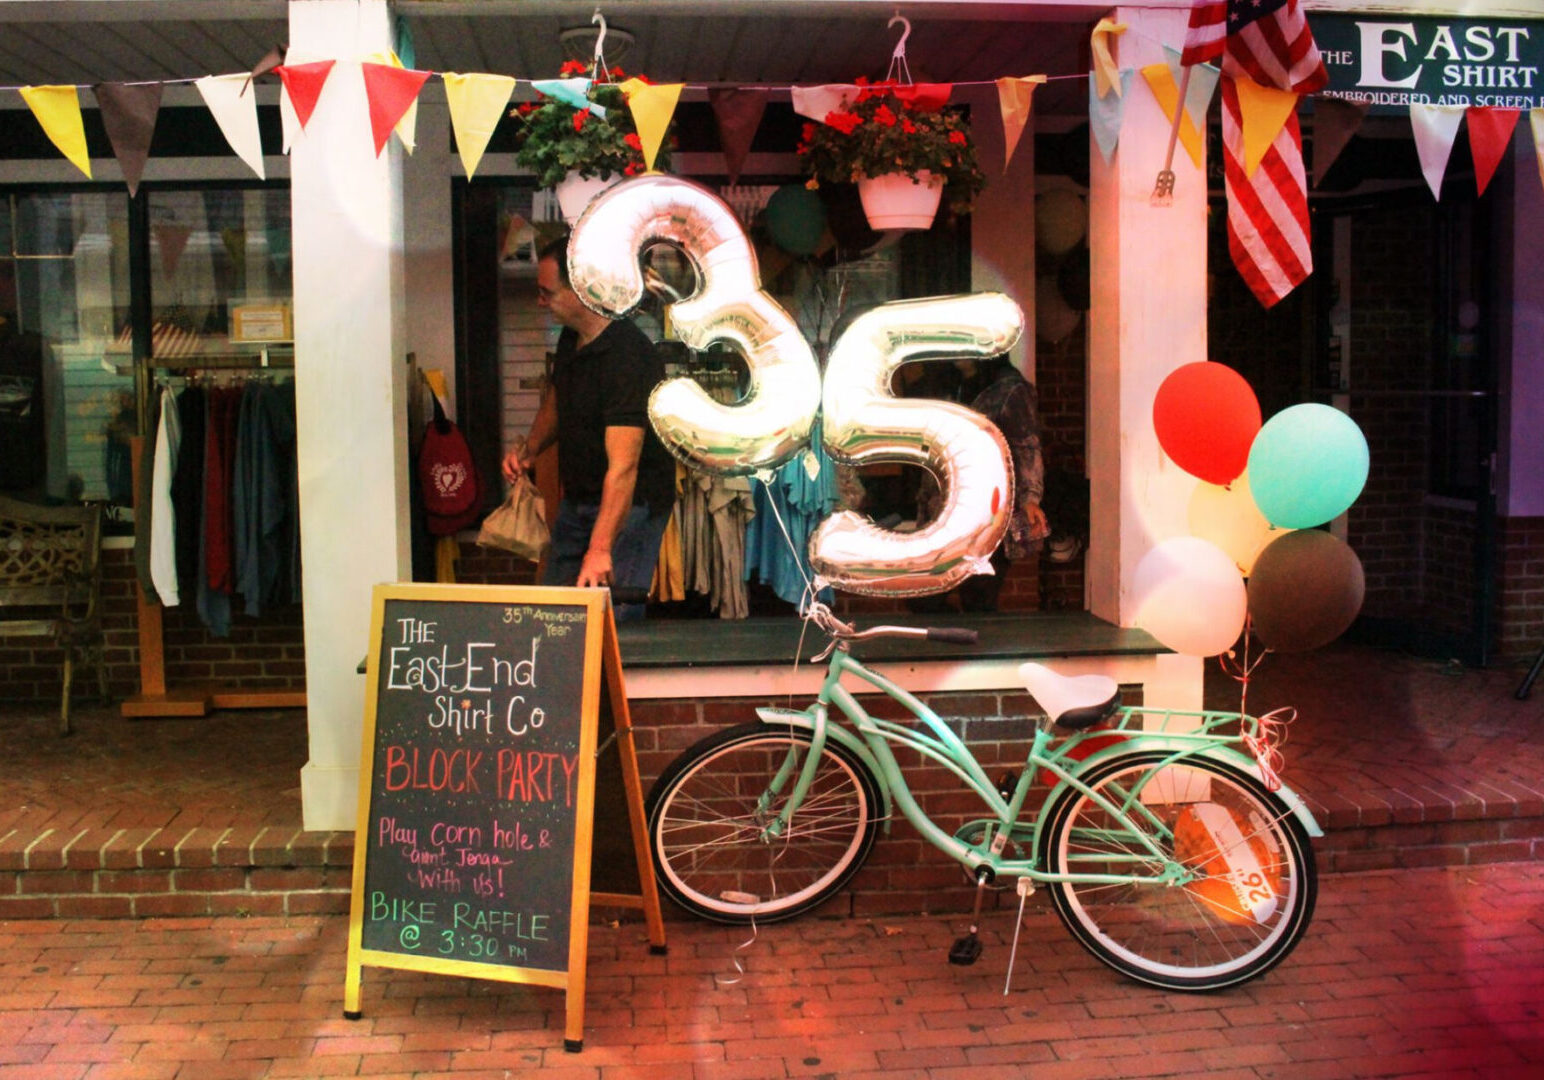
{"points": [[1305, 591]]}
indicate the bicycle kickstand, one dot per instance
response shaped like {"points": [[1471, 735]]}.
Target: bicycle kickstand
{"points": [[1025, 887], [967, 950]]}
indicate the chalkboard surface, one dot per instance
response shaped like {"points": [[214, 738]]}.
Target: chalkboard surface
{"points": [[469, 826]]}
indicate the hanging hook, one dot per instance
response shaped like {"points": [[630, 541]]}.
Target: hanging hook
{"points": [[899, 70], [900, 46], [600, 41]]}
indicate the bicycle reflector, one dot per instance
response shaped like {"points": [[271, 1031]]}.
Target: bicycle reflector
{"points": [[1239, 881]]}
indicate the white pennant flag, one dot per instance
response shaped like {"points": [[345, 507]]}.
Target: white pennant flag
{"points": [[288, 118], [232, 99], [1435, 127], [818, 102]]}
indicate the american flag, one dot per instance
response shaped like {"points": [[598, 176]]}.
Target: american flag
{"points": [[1267, 42]]}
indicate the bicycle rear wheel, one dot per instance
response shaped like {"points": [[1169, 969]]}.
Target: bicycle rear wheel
{"points": [[705, 825], [1254, 881]]}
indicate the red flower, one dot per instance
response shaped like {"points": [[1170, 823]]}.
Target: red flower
{"points": [[632, 139], [579, 119], [632, 168], [807, 132], [957, 137], [573, 67], [907, 126], [618, 73], [884, 116], [844, 122]]}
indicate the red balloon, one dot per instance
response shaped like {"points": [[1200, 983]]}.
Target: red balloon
{"points": [[1206, 416]]}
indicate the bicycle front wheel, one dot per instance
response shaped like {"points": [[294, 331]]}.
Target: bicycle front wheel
{"points": [[1249, 884], [708, 811]]}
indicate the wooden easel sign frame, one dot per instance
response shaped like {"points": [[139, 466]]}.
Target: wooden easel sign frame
{"points": [[472, 846]]}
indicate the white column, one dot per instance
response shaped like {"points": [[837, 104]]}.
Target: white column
{"points": [[1148, 318], [1522, 385], [350, 387]]}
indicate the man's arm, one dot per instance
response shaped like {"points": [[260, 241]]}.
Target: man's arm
{"points": [[624, 446], [544, 431]]}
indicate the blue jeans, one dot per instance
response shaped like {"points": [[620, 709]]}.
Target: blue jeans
{"points": [[633, 553]]}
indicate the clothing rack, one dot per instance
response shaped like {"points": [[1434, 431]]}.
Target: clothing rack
{"points": [[155, 698]]}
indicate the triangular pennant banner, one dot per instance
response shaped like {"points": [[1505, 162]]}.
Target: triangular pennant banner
{"points": [[171, 239], [128, 113], [1014, 97], [652, 107], [391, 92], [1536, 121], [1161, 82], [1334, 122], [573, 92], [925, 96], [738, 113], [303, 84], [1203, 84], [1490, 133], [270, 61], [1106, 75], [233, 102], [1264, 110], [818, 102], [476, 106], [57, 109], [1105, 113], [1435, 127]]}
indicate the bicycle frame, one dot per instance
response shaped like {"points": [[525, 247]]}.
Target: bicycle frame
{"points": [[938, 743]]}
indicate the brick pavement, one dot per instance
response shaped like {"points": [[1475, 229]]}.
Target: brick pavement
{"points": [[1407, 973]]}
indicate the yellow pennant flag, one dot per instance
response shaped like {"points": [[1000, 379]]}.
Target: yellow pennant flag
{"points": [[1263, 110], [1106, 75], [1014, 96], [1161, 80], [58, 111], [476, 106], [652, 108]]}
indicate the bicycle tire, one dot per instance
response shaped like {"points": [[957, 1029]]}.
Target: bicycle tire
{"points": [[1180, 937], [705, 832]]}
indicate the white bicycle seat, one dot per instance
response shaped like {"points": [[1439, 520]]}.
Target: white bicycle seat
{"points": [[1071, 701]]}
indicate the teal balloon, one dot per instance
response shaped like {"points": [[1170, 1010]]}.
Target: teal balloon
{"points": [[1307, 465], [796, 219]]}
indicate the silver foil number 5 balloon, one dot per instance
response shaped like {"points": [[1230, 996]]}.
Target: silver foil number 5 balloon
{"points": [[773, 420], [864, 424]]}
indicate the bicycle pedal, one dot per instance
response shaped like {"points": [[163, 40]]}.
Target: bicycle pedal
{"points": [[965, 951]]}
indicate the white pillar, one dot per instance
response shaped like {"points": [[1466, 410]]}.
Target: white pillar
{"points": [[1522, 383], [350, 387], [1148, 318]]}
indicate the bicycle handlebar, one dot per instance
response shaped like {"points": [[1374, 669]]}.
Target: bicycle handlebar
{"points": [[953, 635], [838, 630]]}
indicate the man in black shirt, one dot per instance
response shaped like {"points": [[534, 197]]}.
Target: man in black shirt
{"points": [[618, 479]]}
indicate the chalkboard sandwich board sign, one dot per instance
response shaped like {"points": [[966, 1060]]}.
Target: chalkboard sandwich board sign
{"points": [[477, 786]]}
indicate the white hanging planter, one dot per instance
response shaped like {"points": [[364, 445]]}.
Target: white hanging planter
{"points": [[574, 193], [901, 201]]}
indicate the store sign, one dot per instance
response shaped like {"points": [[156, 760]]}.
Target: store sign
{"points": [[1393, 62]]}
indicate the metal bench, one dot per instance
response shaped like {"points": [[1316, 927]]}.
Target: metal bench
{"points": [[51, 583]]}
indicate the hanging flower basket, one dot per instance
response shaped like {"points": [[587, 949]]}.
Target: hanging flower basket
{"points": [[563, 145], [881, 143], [575, 191], [899, 201]]}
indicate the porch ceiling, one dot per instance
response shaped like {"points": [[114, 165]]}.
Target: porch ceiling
{"points": [[723, 41]]}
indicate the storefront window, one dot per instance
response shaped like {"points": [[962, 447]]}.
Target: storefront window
{"points": [[220, 277], [66, 394]]}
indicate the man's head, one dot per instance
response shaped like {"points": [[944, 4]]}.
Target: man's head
{"points": [[556, 294]]}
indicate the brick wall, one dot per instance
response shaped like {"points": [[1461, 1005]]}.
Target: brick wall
{"points": [[1520, 593]]}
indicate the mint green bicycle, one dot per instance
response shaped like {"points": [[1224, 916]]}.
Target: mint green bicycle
{"points": [[1169, 847]]}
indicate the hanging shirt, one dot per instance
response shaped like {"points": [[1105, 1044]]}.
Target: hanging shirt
{"points": [[163, 520]]}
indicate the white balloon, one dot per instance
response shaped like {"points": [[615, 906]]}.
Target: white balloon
{"points": [[774, 419], [1190, 596], [864, 424]]}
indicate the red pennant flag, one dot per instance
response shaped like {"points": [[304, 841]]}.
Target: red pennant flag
{"points": [[303, 83], [925, 97], [1490, 133], [392, 91]]}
